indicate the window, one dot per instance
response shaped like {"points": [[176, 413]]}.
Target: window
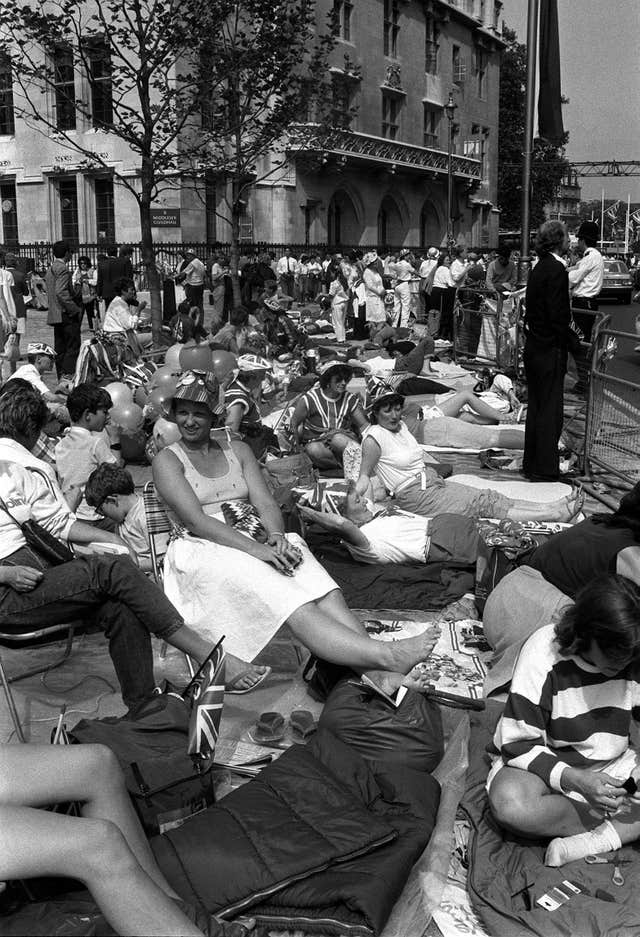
{"points": [[342, 11], [64, 86], [431, 126], [99, 74], [8, 205], [458, 67], [431, 45], [341, 101], [105, 214], [497, 10], [7, 123], [481, 58], [391, 27], [68, 195], [391, 105]]}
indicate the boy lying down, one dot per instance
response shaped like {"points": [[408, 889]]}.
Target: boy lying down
{"points": [[382, 533]]}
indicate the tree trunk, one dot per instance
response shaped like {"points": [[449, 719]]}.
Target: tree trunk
{"points": [[234, 252], [148, 258]]}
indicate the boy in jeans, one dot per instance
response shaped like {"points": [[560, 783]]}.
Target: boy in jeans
{"points": [[110, 490], [83, 447]]}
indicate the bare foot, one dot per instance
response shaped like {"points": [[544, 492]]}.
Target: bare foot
{"points": [[241, 674], [390, 683], [402, 655]]}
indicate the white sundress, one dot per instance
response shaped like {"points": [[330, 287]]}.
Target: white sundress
{"points": [[219, 590]]}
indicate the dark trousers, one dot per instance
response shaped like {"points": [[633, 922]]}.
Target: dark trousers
{"points": [[584, 321], [544, 369], [66, 344], [124, 604], [91, 309], [411, 386], [194, 296]]}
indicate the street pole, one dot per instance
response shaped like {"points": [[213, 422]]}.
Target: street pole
{"points": [[524, 263], [450, 109]]}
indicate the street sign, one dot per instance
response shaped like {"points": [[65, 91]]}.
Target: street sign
{"points": [[165, 217]]}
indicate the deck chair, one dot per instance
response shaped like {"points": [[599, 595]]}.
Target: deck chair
{"points": [[159, 532]]}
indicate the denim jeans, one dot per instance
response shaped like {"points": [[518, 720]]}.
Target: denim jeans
{"points": [[126, 605]]}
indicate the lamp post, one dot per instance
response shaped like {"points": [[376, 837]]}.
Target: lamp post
{"points": [[450, 110]]}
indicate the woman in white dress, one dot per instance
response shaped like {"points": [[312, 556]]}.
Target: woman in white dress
{"points": [[374, 289], [229, 583]]}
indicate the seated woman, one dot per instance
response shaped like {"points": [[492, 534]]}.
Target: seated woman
{"points": [[328, 417], [106, 849], [109, 589], [562, 748], [539, 591], [121, 321], [231, 584], [393, 454], [243, 416], [385, 534]]}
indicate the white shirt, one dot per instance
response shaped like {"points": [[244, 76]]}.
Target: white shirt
{"points": [[287, 265], [401, 458], [118, 317], [133, 531], [586, 277], [28, 494], [458, 272], [194, 272], [442, 278], [78, 453], [403, 271], [427, 266], [380, 365], [393, 538], [29, 372]]}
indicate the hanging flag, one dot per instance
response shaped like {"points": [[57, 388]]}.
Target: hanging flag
{"points": [[550, 126], [612, 211], [205, 693], [636, 216]]}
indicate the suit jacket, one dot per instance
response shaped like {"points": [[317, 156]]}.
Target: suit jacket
{"points": [[110, 271], [59, 294], [548, 308]]}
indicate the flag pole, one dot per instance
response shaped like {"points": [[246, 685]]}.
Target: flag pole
{"points": [[626, 225], [524, 264], [602, 222]]}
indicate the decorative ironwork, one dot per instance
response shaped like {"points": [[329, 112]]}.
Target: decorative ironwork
{"points": [[366, 148]]}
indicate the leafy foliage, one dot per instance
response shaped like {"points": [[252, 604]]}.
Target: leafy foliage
{"points": [[549, 163]]}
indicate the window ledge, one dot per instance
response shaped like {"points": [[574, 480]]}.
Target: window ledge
{"points": [[389, 89]]}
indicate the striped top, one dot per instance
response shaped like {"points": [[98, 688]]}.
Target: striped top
{"points": [[562, 712], [237, 393], [324, 414]]}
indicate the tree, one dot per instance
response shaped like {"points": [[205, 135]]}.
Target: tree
{"points": [[194, 88], [548, 162]]}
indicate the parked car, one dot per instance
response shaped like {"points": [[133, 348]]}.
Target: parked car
{"points": [[617, 282]]}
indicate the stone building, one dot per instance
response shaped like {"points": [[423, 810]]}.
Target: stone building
{"points": [[381, 178]]}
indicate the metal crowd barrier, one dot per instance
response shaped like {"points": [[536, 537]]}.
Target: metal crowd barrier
{"points": [[612, 432], [486, 327]]}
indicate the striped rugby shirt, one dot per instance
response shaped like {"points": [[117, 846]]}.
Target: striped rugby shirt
{"points": [[237, 393], [325, 415], [562, 712]]}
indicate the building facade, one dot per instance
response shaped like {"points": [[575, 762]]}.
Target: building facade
{"points": [[382, 177], [566, 204]]}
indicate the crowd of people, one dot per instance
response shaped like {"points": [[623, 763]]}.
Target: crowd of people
{"points": [[565, 627]]}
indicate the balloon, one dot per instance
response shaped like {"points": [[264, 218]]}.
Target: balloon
{"points": [[141, 395], [172, 357], [164, 433], [128, 417], [166, 376], [154, 406], [132, 447], [223, 362], [195, 358], [119, 393]]}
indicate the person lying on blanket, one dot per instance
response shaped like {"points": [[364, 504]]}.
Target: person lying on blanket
{"points": [[563, 765], [377, 533]]}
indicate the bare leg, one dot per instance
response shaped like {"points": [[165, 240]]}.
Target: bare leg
{"points": [[338, 443], [522, 803], [453, 405], [191, 643], [321, 455], [105, 849]]}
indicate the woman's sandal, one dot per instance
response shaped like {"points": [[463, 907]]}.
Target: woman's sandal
{"points": [[269, 728], [232, 684], [302, 724], [578, 502]]}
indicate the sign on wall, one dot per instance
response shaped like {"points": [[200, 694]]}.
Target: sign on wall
{"points": [[165, 217]]}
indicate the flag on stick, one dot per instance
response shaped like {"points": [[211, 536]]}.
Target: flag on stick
{"points": [[550, 126], [205, 693], [612, 211]]}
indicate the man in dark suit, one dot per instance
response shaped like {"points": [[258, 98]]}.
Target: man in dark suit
{"points": [[547, 319], [111, 271]]}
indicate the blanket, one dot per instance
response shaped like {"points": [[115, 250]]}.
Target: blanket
{"points": [[507, 874], [403, 586]]}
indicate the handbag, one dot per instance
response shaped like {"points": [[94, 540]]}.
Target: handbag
{"points": [[46, 545]]}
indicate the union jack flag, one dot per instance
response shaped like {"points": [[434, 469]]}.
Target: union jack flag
{"points": [[612, 211], [205, 693]]}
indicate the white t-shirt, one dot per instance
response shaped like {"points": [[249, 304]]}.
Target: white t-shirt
{"points": [[379, 364], [394, 538], [29, 372], [118, 317], [401, 458], [78, 453], [442, 278], [133, 531]]}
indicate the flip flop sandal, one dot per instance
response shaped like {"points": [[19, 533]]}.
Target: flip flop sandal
{"points": [[302, 724], [269, 728], [578, 503], [231, 687]]}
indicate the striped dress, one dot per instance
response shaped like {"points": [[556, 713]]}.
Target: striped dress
{"points": [[326, 416], [562, 712]]}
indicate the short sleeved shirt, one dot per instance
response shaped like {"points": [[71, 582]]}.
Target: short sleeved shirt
{"points": [[394, 538], [29, 372], [78, 453]]}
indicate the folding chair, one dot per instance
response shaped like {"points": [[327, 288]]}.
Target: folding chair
{"points": [[159, 532]]}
